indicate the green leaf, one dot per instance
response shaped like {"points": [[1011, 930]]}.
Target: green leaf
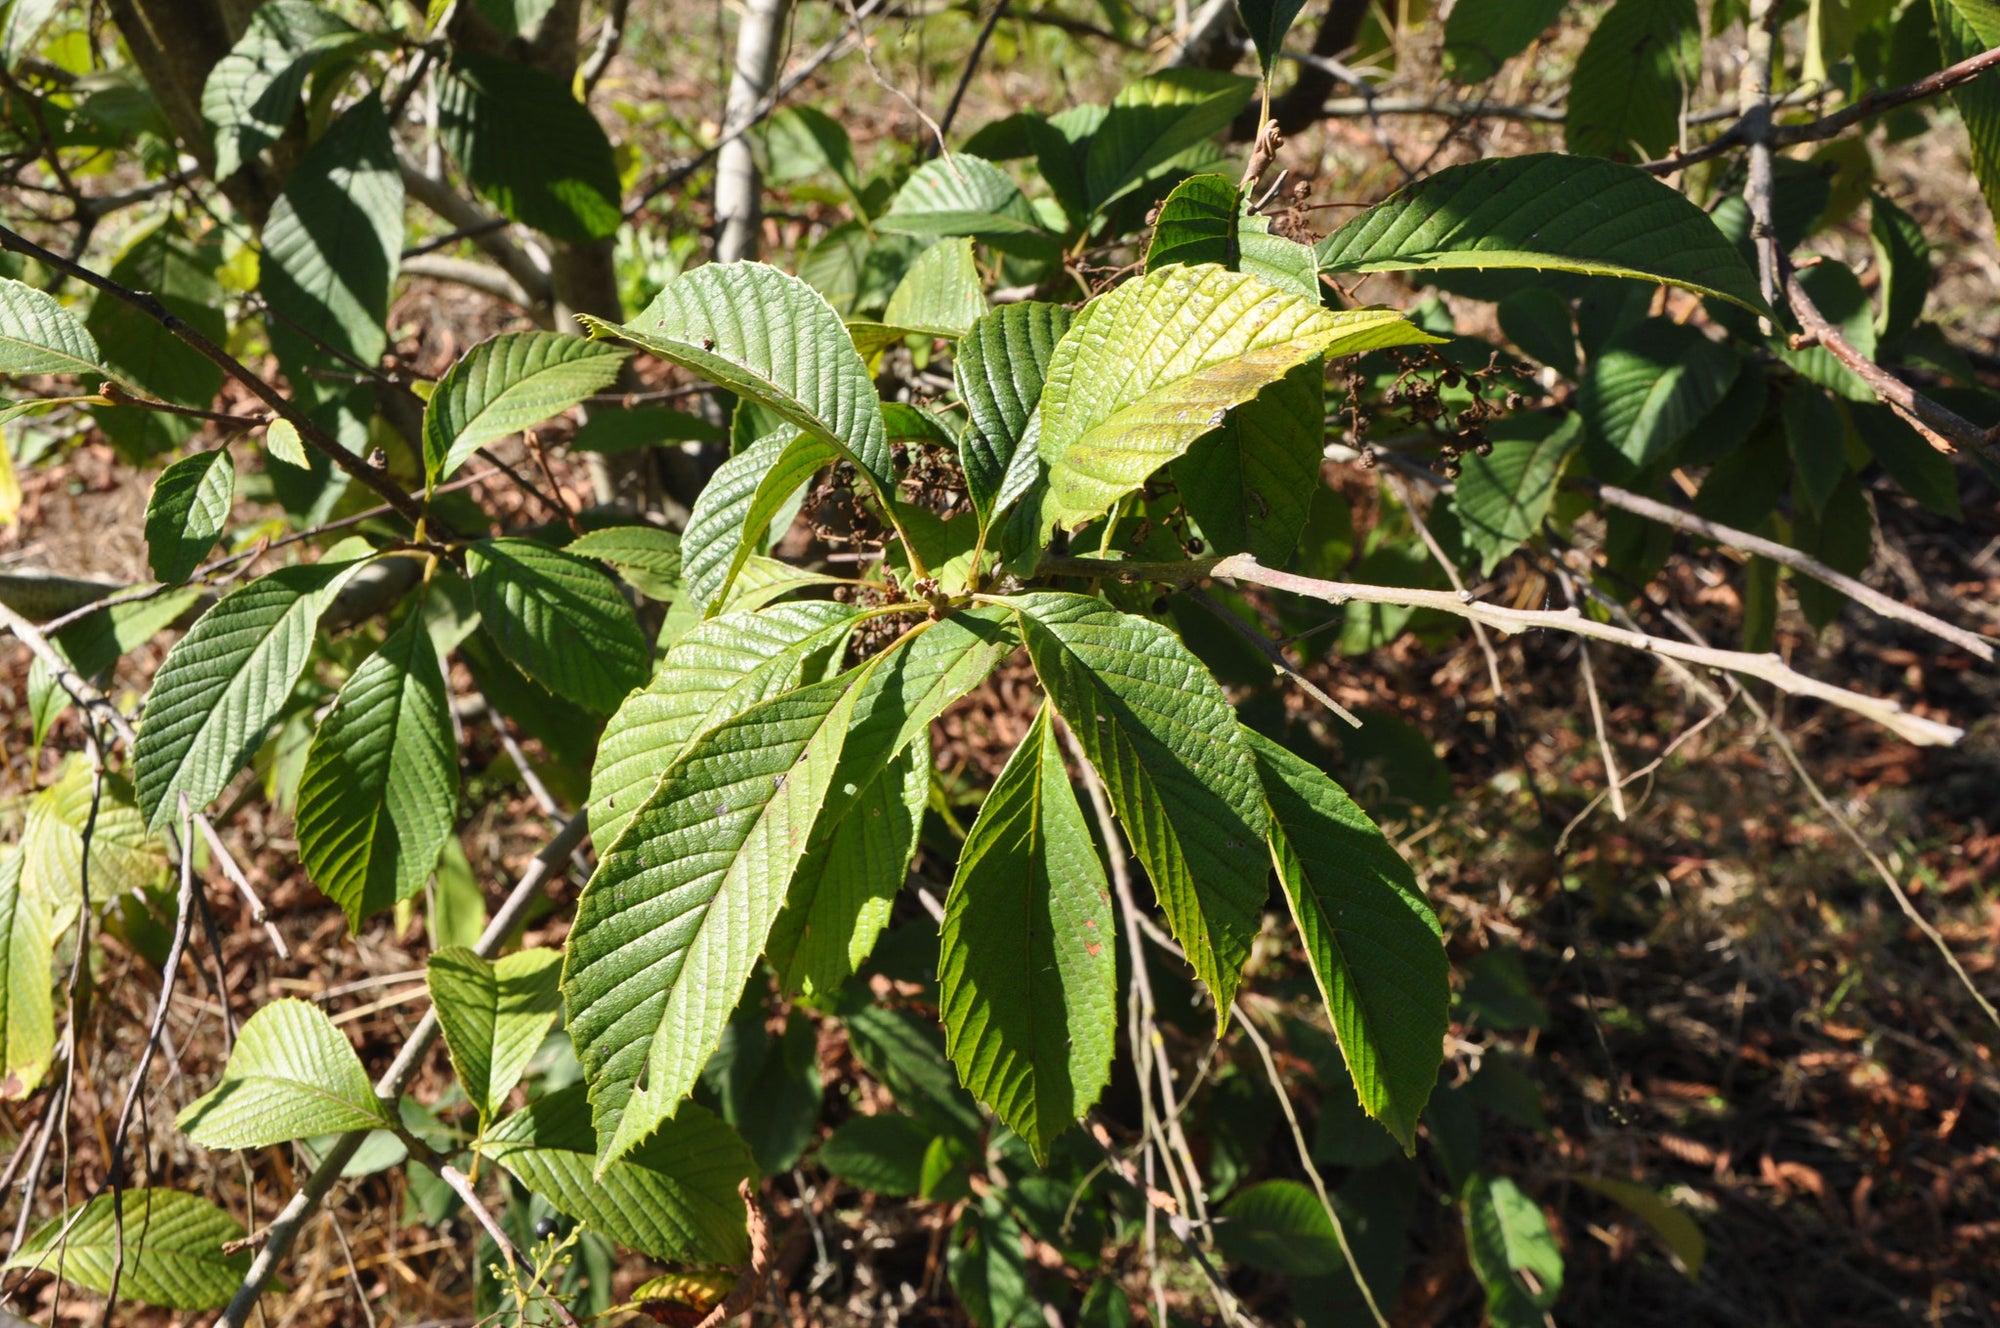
{"points": [[718, 670], [162, 1247], [1374, 944], [1154, 119], [1538, 320], [494, 1014], [839, 896], [1964, 29], [1816, 436], [1842, 537], [1160, 732], [767, 1085], [967, 195], [1629, 82], [27, 995], [1277, 261], [292, 1075], [559, 618], [678, 910], [815, 140], [1671, 1223], [941, 294], [1249, 485], [225, 681], [188, 509], [1280, 1227], [1027, 962], [1836, 292], [178, 271], [380, 788], [122, 859], [39, 336], [252, 92], [1506, 1235], [1551, 213], [1646, 390], [505, 384], [845, 886], [282, 443], [740, 502], [333, 243], [1154, 364], [612, 432], [646, 556], [770, 337], [988, 1270], [1267, 22], [1478, 38], [1197, 224], [906, 1054], [529, 147], [882, 1154], [1501, 498], [1919, 469], [672, 1198], [1903, 258], [999, 367]]}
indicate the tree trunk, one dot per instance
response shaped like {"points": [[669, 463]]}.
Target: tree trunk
{"points": [[739, 188]]}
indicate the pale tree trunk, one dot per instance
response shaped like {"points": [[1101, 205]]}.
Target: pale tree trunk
{"points": [[739, 186]]}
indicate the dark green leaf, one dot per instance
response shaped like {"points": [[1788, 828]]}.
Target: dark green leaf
{"points": [[1548, 212], [1153, 120], [559, 618], [253, 91], [179, 272], [505, 384], [1816, 434], [1027, 960], [882, 1154], [1479, 38], [1279, 1226], [1903, 257], [224, 682], [1197, 224], [766, 1085], [1249, 485], [332, 245], [1643, 393], [1964, 29], [529, 147], [161, 1247], [1267, 22], [672, 1198], [1919, 469], [1374, 944], [380, 789], [1501, 498], [495, 1014], [189, 507], [1626, 92], [999, 367], [1163, 737]]}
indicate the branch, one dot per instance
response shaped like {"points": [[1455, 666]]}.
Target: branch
{"points": [[1869, 105], [318, 438], [1772, 669], [284, 1228], [1804, 563], [487, 278], [1944, 428], [484, 229], [609, 39], [1355, 108]]}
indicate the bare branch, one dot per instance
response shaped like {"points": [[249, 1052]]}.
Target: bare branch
{"points": [[1770, 668], [486, 230], [739, 186], [486, 278], [1804, 563], [1945, 429]]}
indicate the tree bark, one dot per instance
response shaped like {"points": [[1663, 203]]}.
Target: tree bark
{"points": [[739, 187]]}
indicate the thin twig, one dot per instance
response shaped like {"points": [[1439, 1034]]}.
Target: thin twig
{"points": [[1770, 668], [1868, 105], [1945, 429], [1666, 514], [971, 66], [1613, 785], [1284, 1097]]}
